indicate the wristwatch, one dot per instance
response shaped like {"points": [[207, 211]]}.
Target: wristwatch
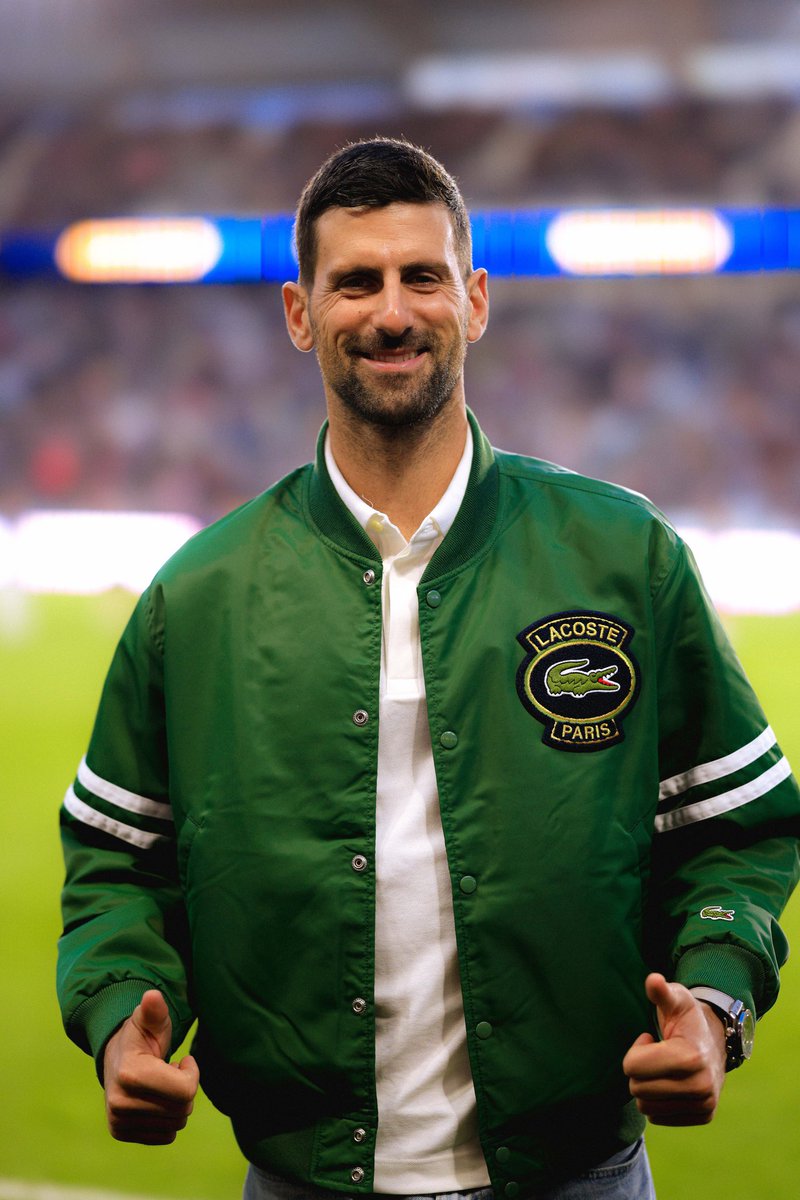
{"points": [[740, 1026]]}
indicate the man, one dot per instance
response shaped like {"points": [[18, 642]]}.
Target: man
{"points": [[417, 778]]}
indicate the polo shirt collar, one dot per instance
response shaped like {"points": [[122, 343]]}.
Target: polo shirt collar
{"points": [[379, 527], [469, 533]]}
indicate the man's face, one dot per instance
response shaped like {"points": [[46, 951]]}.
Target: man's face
{"points": [[389, 312]]}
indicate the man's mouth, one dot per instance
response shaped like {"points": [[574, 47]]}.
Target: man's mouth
{"points": [[402, 358], [392, 356]]}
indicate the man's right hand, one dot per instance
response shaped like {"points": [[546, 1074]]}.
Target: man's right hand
{"points": [[148, 1100]]}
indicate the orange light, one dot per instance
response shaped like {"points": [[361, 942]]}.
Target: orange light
{"points": [[624, 242], [138, 250]]}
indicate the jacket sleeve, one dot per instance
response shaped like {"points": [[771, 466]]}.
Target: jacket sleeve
{"points": [[725, 855], [124, 922]]}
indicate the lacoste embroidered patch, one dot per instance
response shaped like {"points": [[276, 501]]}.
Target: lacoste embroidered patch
{"points": [[578, 678], [715, 912]]}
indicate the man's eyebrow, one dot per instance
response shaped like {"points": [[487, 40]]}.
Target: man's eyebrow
{"points": [[434, 266]]}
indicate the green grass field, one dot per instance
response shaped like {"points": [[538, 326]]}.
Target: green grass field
{"points": [[53, 655]]}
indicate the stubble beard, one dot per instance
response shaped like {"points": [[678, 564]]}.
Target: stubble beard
{"points": [[393, 401]]}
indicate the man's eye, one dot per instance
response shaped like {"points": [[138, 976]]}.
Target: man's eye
{"points": [[355, 283]]}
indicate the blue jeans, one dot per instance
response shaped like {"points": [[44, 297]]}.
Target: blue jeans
{"points": [[625, 1176]]}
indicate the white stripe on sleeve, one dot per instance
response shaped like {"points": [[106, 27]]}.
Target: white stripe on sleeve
{"points": [[127, 833], [719, 768], [120, 796], [726, 801]]}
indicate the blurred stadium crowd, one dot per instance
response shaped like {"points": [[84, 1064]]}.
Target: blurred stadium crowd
{"points": [[192, 399]]}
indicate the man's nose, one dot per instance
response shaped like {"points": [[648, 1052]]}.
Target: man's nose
{"points": [[392, 314]]}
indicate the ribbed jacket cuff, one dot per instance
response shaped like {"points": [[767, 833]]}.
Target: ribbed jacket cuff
{"points": [[724, 966], [100, 1016]]}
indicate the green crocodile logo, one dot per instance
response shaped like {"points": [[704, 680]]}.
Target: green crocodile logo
{"points": [[715, 912], [578, 678], [569, 678]]}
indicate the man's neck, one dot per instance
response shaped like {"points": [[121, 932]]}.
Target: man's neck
{"points": [[402, 472]]}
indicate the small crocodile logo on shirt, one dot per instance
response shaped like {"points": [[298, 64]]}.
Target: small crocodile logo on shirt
{"points": [[568, 677], [715, 912]]}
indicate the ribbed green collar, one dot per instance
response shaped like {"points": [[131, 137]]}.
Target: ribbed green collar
{"points": [[468, 533]]}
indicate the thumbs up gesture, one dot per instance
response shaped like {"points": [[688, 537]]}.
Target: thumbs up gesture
{"points": [[678, 1080], [148, 1100]]}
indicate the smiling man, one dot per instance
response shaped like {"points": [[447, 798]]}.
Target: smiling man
{"points": [[426, 781], [388, 299], [401, 320]]}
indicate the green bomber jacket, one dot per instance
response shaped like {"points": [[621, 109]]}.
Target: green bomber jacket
{"points": [[612, 797]]}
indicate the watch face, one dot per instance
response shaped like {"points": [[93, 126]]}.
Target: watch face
{"points": [[747, 1029]]}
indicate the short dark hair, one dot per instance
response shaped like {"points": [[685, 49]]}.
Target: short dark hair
{"points": [[372, 174]]}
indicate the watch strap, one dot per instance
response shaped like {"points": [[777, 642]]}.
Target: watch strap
{"points": [[737, 1022], [714, 997]]}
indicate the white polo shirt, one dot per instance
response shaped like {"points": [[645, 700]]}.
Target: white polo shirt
{"points": [[427, 1127]]}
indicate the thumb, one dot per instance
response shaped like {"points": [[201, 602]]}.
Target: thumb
{"points": [[672, 1001], [153, 1021], [190, 1068]]}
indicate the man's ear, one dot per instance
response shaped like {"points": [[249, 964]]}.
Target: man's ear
{"points": [[295, 306], [478, 294]]}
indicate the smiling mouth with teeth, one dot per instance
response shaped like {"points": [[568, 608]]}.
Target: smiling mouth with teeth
{"points": [[392, 356]]}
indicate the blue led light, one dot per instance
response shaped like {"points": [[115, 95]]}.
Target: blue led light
{"points": [[27, 253], [278, 261], [240, 261], [505, 242]]}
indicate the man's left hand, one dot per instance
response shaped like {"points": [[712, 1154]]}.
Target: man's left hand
{"points": [[678, 1080]]}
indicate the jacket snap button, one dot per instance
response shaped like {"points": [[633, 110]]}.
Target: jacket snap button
{"points": [[468, 884], [369, 577], [357, 1174], [502, 1154], [359, 862], [483, 1030], [359, 1005], [511, 1190], [360, 716], [449, 739], [359, 1135], [433, 598]]}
